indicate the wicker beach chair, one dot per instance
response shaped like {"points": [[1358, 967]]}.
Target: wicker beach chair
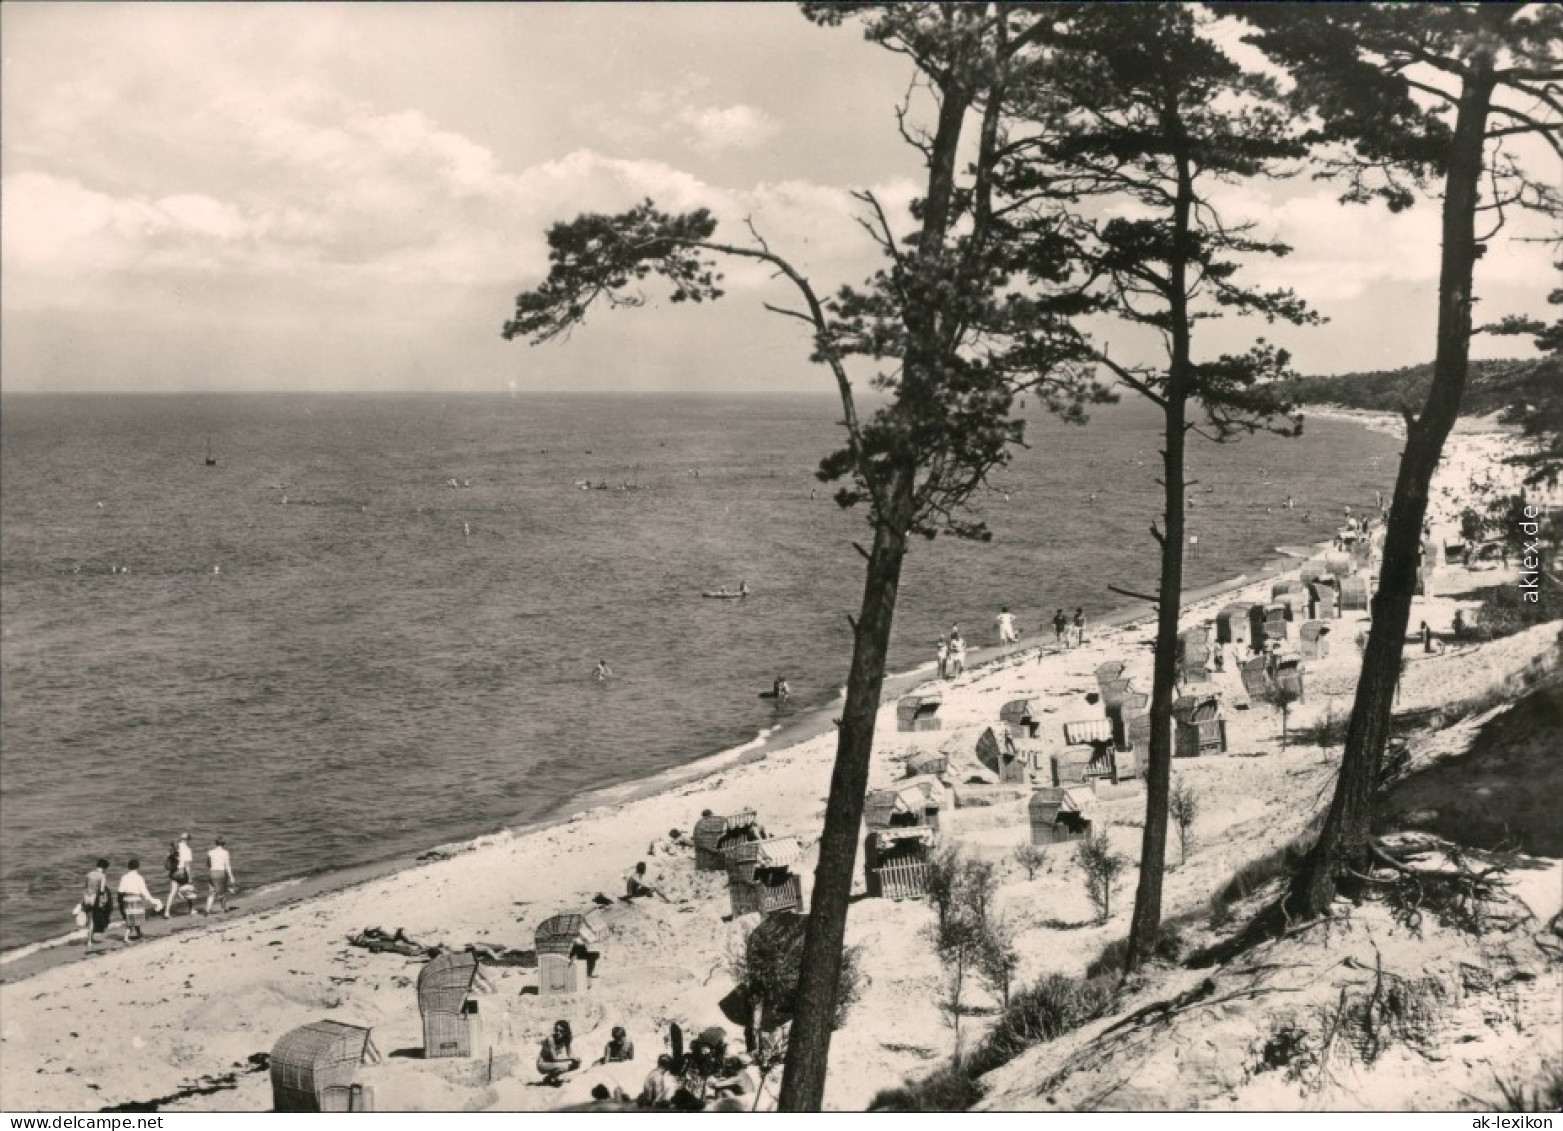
{"points": [[1020, 718], [929, 762], [556, 940], [1232, 625], [1201, 727], [312, 1068], [1119, 714], [1354, 594], [919, 713], [895, 862], [907, 805], [450, 1015], [1288, 675], [1256, 677], [1314, 640], [716, 836], [760, 879], [1059, 815]]}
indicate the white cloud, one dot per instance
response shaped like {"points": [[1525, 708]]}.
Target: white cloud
{"points": [[712, 129]]}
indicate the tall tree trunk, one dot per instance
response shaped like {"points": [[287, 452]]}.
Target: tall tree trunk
{"points": [[808, 1046], [1343, 842], [1145, 924]]}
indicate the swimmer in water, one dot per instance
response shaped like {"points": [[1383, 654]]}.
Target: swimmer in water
{"points": [[466, 529], [603, 671], [780, 690]]}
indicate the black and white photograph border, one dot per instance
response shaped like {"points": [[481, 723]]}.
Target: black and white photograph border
{"points": [[758, 557]]}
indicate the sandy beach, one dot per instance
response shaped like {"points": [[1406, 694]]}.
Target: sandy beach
{"points": [[176, 1023]]}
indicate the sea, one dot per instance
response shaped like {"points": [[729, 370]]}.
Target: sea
{"points": [[371, 626]]}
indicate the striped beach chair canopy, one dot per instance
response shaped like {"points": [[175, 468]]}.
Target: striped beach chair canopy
{"points": [[1086, 731], [928, 762], [902, 805]]}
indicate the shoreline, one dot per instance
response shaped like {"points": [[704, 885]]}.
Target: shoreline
{"points": [[30, 959]]}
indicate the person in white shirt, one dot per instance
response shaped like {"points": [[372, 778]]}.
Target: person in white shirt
{"points": [[97, 900], [180, 858], [1007, 633], [219, 869], [134, 899]]}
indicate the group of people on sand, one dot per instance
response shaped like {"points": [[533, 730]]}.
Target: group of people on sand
{"points": [[133, 899], [704, 1076], [1069, 632], [950, 651]]}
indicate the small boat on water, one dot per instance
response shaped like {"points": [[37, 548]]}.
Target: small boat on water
{"points": [[726, 594], [211, 460]]}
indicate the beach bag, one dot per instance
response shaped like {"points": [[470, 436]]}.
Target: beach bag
{"points": [[79, 913]]}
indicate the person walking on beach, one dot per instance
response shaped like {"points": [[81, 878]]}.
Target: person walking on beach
{"points": [[178, 863], [134, 899], [957, 653], [1079, 626], [98, 902], [219, 875], [941, 653], [1060, 627], [1006, 622]]}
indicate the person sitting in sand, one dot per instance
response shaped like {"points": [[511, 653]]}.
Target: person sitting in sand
{"points": [[557, 1058], [737, 1077], [661, 1083], [636, 885], [583, 952], [619, 1047]]}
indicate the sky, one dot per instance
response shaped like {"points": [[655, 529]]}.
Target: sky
{"points": [[320, 197]]}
